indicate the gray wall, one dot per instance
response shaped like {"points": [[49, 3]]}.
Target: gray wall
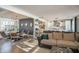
{"points": [[77, 24], [24, 28]]}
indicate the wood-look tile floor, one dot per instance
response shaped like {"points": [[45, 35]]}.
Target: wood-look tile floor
{"points": [[7, 46]]}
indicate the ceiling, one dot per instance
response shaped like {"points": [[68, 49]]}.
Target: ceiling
{"points": [[1, 10], [51, 12], [47, 12], [9, 14]]}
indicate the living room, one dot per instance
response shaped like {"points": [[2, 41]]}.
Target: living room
{"points": [[39, 29]]}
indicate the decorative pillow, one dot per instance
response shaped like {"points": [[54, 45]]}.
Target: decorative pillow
{"points": [[44, 36]]}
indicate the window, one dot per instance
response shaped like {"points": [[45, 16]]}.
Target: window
{"points": [[8, 24]]}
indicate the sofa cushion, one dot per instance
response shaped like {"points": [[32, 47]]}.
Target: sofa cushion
{"points": [[68, 36], [64, 43], [48, 42], [50, 36], [77, 36], [57, 35]]}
